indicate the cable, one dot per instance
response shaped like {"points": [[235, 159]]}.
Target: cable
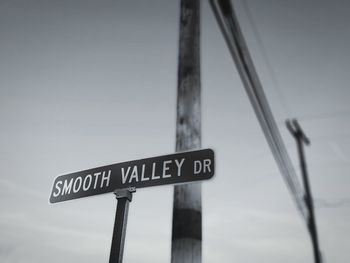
{"points": [[328, 115], [239, 51], [265, 57]]}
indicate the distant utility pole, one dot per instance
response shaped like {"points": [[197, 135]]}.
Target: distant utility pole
{"points": [[301, 139], [187, 210]]}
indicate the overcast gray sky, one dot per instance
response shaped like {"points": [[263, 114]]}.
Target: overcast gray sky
{"points": [[87, 83]]}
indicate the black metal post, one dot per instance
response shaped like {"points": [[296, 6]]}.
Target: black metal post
{"points": [[123, 196], [295, 129]]}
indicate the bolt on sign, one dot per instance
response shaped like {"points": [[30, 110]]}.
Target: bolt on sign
{"points": [[168, 169]]}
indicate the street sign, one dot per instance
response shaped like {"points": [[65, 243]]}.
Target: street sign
{"points": [[168, 169]]}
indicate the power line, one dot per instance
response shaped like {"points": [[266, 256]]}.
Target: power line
{"points": [[265, 57], [236, 43], [328, 115], [274, 79]]}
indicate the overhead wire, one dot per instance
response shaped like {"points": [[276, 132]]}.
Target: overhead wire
{"points": [[273, 77], [265, 57], [326, 116], [237, 46]]}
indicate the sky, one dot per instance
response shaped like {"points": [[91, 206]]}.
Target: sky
{"points": [[86, 83]]}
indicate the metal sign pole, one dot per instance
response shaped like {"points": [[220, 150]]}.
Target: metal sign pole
{"points": [[123, 196]]}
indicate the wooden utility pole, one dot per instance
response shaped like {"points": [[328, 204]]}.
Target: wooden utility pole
{"points": [[187, 210], [301, 140]]}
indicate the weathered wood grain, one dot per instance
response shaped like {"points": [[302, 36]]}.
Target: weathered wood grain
{"points": [[187, 210]]}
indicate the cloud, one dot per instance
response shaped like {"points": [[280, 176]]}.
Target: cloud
{"points": [[15, 187]]}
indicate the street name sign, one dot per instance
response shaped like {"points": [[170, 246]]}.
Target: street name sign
{"points": [[162, 170]]}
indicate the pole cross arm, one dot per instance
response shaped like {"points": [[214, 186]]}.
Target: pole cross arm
{"points": [[295, 129]]}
